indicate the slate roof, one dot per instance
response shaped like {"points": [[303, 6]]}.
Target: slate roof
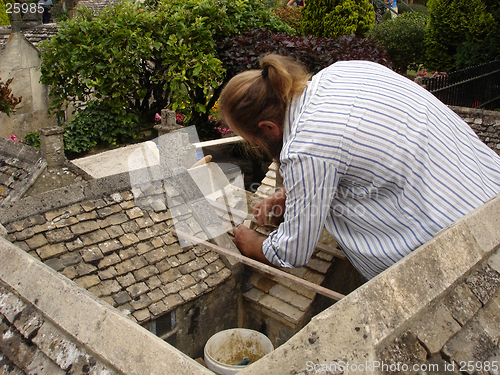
{"points": [[124, 254], [34, 34], [20, 166]]}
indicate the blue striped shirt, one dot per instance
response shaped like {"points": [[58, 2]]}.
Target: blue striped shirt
{"points": [[380, 163]]}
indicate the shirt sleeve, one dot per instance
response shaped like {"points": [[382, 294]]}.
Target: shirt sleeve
{"points": [[310, 184]]}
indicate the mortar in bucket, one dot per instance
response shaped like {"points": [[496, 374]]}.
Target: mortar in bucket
{"points": [[224, 350]]}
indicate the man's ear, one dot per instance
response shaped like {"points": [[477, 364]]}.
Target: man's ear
{"points": [[270, 129]]}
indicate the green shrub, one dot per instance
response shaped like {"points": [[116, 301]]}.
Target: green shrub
{"points": [[473, 53], [403, 37], [331, 18], [4, 16], [99, 123], [32, 139], [451, 23]]}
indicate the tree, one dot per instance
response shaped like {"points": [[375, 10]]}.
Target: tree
{"points": [[7, 100], [403, 37], [146, 57], [451, 23], [330, 18]]}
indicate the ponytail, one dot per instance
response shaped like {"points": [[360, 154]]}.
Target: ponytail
{"points": [[258, 95]]}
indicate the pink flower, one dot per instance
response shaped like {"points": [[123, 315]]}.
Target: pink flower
{"points": [[15, 139], [157, 117]]}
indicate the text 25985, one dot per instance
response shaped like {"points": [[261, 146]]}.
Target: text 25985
{"points": [[24, 8]]}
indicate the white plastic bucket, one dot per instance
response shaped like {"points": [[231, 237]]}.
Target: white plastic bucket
{"points": [[226, 348]]}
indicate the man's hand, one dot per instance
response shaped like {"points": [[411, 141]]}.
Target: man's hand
{"points": [[249, 242], [273, 204]]}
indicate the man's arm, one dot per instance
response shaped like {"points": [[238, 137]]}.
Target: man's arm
{"points": [[249, 242]]}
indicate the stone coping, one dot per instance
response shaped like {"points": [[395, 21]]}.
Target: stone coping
{"points": [[91, 325]]}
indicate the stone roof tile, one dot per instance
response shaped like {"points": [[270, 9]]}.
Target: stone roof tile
{"points": [[146, 272]]}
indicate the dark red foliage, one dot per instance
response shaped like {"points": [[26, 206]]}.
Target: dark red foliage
{"points": [[243, 51]]}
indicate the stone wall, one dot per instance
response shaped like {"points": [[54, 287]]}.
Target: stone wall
{"points": [[486, 124]]}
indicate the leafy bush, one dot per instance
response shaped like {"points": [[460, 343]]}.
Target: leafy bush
{"points": [[451, 23], [243, 52], [403, 37], [473, 53], [330, 18], [291, 16], [7, 100], [97, 123], [148, 57], [32, 139], [4, 16]]}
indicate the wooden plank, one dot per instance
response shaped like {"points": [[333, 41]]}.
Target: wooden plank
{"points": [[330, 250], [263, 267], [219, 142]]}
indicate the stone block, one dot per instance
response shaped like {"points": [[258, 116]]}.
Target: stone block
{"points": [[121, 298], [89, 281], [55, 263], [145, 273], [115, 219], [137, 289], [141, 303], [172, 301], [187, 294], [290, 297], [214, 267], [128, 239], [66, 222], [130, 227], [144, 247], [186, 281], [283, 309], [470, 344], [127, 253], [93, 238], [59, 235], [155, 255], [71, 258], [171, 288], [153, 282], [405, 350], [484, 283], [126, 280], [85, 227], [199, 288], [318, 265], [49, 251], [109, 261], [199, 275], [110, 246], [253, 295], [194, 265], [75, 244], [134, 213], [436, 328], [92, 215], [173, 249], [91, 254], [488, 318], [261, 282], [125, 267], [109, 287], [85, 268], [139, 262], [108, 273], [156, 295], [36, 241], [144, 223], [141, 315], [157, 308], [115, 231]]}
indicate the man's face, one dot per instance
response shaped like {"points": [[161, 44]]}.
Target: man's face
{"points": [[270, 142]]}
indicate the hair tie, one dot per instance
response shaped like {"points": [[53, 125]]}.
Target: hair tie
{"points": [[265, 71]]}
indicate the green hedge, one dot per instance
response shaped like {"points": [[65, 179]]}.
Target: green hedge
{"points": [[403, 37]]}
